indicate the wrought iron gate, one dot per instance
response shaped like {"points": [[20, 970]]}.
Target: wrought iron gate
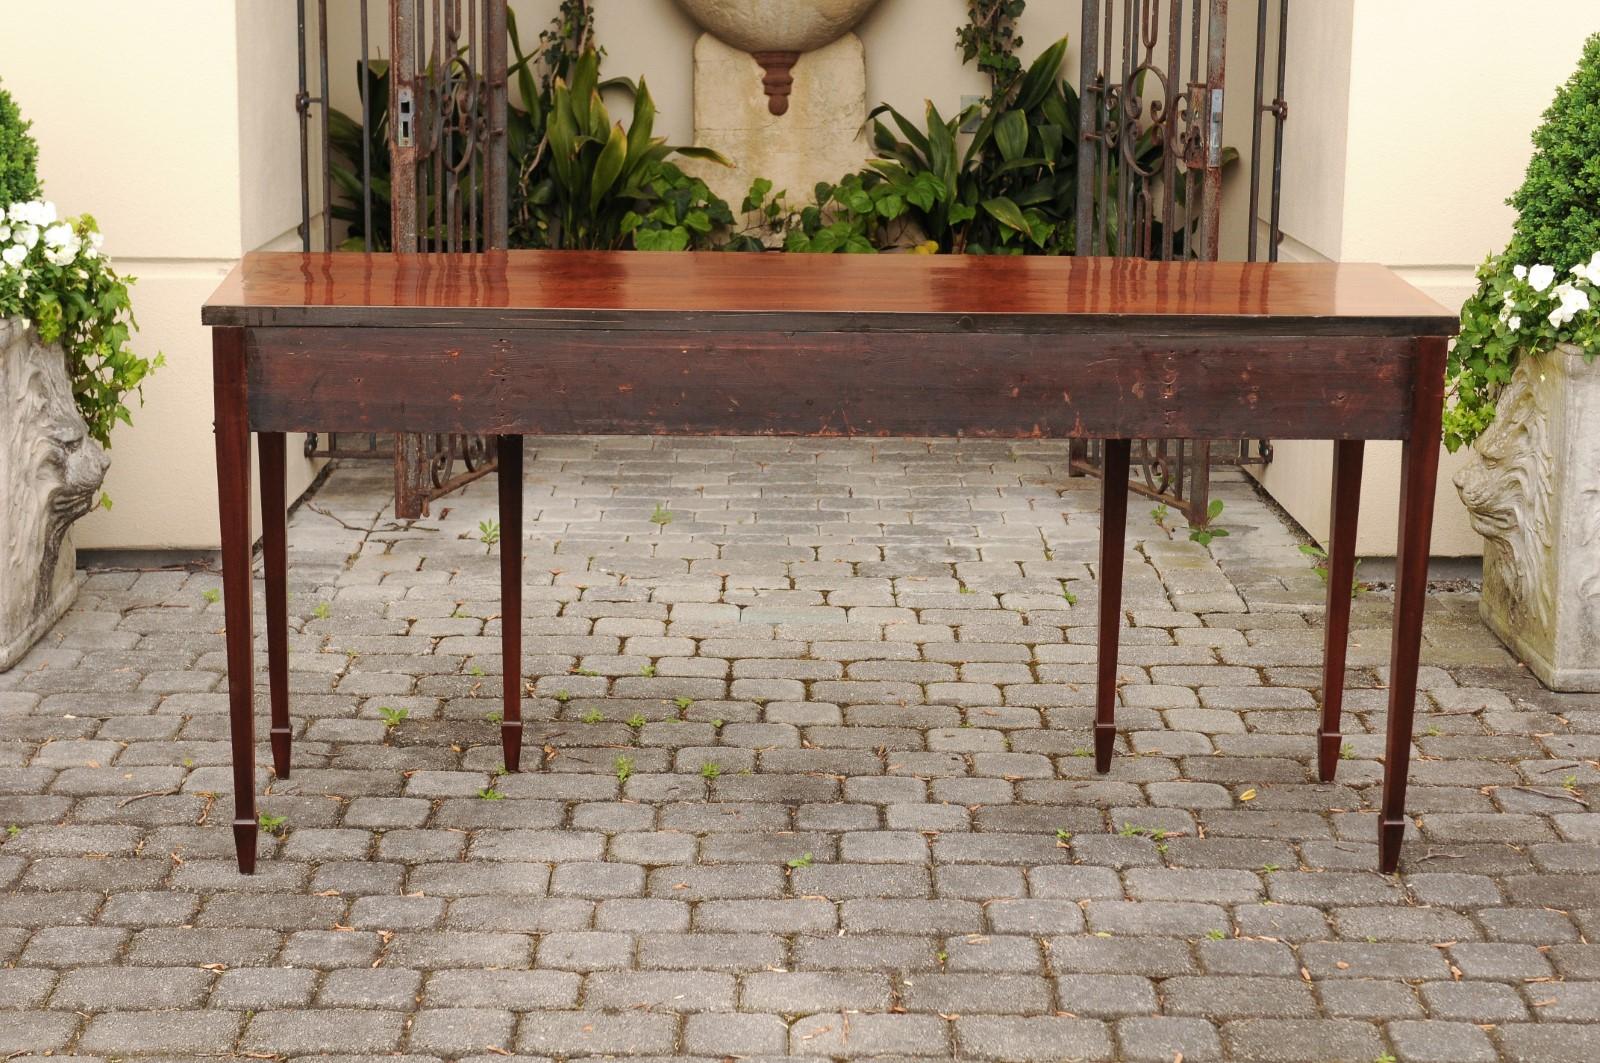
{"points": [[1151, 157], [431, 134]]}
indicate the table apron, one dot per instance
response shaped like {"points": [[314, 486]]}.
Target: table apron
{"points": [[600, 381]]}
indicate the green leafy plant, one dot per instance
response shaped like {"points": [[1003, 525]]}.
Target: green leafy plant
{"points": [[489, 793], [682, 213], [1319, 565], [710, 770], [488, 532], [990, 38], [661, 516], [392, 717], [803, 860], [623, 766], [212, 595], [636, 721], [1543, 290], [1558, 205], [593, 716], [1204, 533], [53, 275], [599, 173], [1518, 311], [19, 156], [273, 824], [322, 611]]}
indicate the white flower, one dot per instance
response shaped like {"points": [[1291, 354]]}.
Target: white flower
{"points": [[1515, 322], [25, 235], [5, 230], [38, 212], [1520, 272], [1573, 301], [1541, 277], [59, 235], [61, 256], [14, 255], [1589, 271]]}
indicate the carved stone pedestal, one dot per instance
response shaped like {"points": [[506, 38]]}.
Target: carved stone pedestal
{"points": [[50, 475], [811, 133], [1533, 492]]}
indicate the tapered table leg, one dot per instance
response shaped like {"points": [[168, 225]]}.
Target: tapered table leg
{"points": [[1347, 460], [233, 508], [1419, 473], [1113, 527], [270, 447], [510, 475]]}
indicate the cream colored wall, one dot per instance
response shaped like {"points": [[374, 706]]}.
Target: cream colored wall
{"points": [[1404, 139], [1409, 128], [172, 123]]}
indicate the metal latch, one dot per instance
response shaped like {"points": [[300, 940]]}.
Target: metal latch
{"points": [[1214, 147], [406, 116]]}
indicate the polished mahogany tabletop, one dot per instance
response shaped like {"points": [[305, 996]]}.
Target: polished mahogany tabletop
{"points": [[711, 290]]}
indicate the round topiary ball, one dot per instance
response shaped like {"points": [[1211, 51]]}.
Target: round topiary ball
{"points": [[19, 155], [1558, 205]]}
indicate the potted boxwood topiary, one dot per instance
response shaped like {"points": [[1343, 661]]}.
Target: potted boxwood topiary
{"points": [[65, 371], [1526, 396]]}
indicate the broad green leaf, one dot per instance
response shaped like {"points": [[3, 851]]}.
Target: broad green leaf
{"points": [[608, 166], [1008, 214], [1011, 135]]}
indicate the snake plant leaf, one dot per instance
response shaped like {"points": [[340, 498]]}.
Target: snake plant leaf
{"points": [[562, 132], [1011, 135], [608, 167], [695, 151], [643, 123], [1042, 77], [1007, 213]]}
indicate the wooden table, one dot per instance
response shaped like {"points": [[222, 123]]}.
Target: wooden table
{"points": [[531, 343]]}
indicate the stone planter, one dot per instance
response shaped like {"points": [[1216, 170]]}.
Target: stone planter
{"points": [[1533, 492], [50, 475]]}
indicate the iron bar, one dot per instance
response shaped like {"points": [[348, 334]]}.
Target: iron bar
{"points": [[366, 133], [302, 106], [322, 100], [1280, 114]]}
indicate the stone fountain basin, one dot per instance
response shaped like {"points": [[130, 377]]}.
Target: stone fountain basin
{"points": [[777, 25]]}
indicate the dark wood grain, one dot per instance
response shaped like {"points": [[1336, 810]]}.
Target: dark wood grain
{"points": [[703, 292], [509, 449], [826, 384], [1419, 474], [537, 343], [271, 449], [1341, 570], [233, 504], [1108, 580]]}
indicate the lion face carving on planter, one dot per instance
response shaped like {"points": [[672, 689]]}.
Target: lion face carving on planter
{"points": [[1507, 489], [50, 471]]}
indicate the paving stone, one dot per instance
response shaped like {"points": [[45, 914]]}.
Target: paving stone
{"points": [[1441, 1042], [1031, 1038], [581, 1033], [324, 1031], [869, 1036], [172, 1033], [923, 745]]}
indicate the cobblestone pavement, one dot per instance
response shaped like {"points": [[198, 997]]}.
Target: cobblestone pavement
{"points": [[811, 778]]}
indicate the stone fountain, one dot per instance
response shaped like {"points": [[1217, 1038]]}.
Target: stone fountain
{"points": [[780, 88]]}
